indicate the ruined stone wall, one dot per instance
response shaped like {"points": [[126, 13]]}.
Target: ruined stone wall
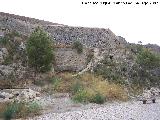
{"points": [[26, 19], [90, 37]]}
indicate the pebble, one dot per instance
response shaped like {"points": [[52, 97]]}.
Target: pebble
{"points": [[134, 110]]}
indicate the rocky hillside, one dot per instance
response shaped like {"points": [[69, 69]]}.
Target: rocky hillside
{"points": [[102, 42], [101, 38]]}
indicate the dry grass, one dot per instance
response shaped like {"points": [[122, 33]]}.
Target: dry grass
{"points": [[64, 83], [91, 84], [110, 90]]}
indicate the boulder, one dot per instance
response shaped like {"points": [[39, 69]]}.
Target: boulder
{"points": [[5, 70]]}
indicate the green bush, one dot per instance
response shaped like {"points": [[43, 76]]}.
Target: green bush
{"points": [[141, 73], [111, 71], [20, 110], [81, 96], [147, 59], [40, 50], [10, 111], [78, 46], [98, 98], [4, 41]]}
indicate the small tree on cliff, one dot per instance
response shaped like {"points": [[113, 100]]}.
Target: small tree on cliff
{"points": [[40, 50]]}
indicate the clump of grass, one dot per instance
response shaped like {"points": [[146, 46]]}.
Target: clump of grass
{"points": [[56, 83], [77, 86], [10, 111], [81, 96], [98, 98], [20, 110]]}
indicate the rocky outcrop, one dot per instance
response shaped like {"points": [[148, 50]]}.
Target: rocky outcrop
{"points": [[3, 54], [15, 70], [67, 59], [20, 95], [153, 47]]}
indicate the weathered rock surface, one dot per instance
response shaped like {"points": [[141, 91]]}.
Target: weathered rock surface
{"points": [[150, 94], [23, 95], [100, 38], [3, 54], [68, 59], [5, 70], [15, 70]]}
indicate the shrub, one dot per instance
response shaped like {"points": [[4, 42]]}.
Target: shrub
{"points": [[112, 71], [143, 72], [78, 46], [98, 98], [10, 111], [4, 41], [20, 110], [40, 50], [147, 59]]}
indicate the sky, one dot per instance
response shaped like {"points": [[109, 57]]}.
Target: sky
{"points": [[134, 22]]}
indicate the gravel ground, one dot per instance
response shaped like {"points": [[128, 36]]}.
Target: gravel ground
{"points": [[134, 110]]}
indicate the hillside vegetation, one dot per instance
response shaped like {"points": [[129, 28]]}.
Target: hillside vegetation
{"points": [[92, 65]]}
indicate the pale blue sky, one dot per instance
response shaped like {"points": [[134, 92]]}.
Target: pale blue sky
{"points": [[133, 22]]}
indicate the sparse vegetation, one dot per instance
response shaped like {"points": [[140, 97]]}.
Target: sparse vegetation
{"points": [[19, 110], [11, 42], [111, 70], [143, 72], [40, 50], [78, 47], [98, 98], [87, 88], [90, 56], [81, 96]]}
